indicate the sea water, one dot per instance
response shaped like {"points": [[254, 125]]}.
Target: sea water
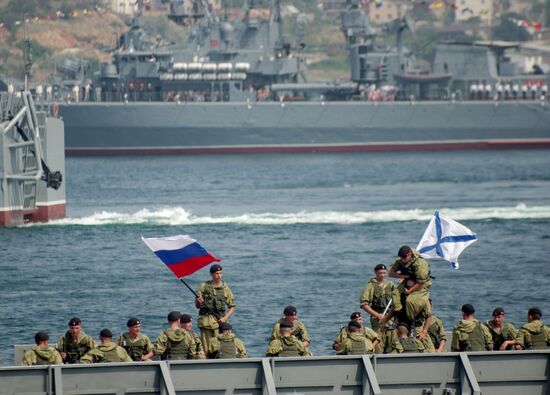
{"points": [[305, 230]]}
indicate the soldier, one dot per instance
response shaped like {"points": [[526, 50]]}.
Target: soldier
{"points": [[215, 303], [286, 344], [407, 343], [411, 265], [107, 351], [356, 343], [437, 333], [298, 328], [369, 334], [75, 343], [138, 346], [42, 354], [534, 335], [174, 342], [469, 334], [226, 344], [503, 333], [186, 322], [376, 295], [419, 317]]}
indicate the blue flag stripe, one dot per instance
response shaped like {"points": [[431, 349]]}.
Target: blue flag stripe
{"points": [[458, 239], [170, 257]]}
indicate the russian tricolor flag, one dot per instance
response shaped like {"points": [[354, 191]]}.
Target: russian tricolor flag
{"points": [[181, 254]]}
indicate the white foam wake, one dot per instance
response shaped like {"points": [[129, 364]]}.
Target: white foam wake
{"points": [[175, 216]]}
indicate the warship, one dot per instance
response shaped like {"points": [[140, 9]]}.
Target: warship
{"points": [[30, 142], [237, 86]]}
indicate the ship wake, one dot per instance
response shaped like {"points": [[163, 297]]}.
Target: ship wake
{"points": [[177, 216]]}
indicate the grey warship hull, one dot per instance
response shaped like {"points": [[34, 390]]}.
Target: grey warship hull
{"points": [[262, 127]]}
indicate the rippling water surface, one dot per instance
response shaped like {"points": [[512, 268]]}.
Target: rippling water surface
{"points": [[304, 230]]}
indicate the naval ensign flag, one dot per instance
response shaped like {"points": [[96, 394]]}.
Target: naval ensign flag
{"points": [[445, 239]]}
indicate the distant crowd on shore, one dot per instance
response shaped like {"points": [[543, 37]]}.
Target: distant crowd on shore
{"points": [[401, 320]]}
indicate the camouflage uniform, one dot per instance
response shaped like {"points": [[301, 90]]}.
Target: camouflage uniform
{"points": [[356, 343], [298, 329], [218, 299], [534, 336], [471, 335], [502, 334], [136, 348], [344, 333], [436, 331], [106, 352], [175, 344], [199, 349], [289, 346], [42, 356], [377, 297], [75, 350], [227, 345], [409, 344], [420, 272]]}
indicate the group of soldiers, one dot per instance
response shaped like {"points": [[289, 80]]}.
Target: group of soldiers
{"points": [[401, 320]]}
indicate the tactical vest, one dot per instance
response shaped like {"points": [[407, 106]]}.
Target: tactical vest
{"points": [[111, 356], [536, 342], [358, 347], [41, 360], [228, 349], [409, 345], [381, 297], [289, 350], [499, 338], [215, 299], [74, 351], [135, 349], [177, 350], [476, 341]]}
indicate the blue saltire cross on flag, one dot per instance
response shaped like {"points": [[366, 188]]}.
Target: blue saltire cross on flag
{"points": [[445, 239]]}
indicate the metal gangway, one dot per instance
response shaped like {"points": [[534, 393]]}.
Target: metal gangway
{"points": [[476, 373]]}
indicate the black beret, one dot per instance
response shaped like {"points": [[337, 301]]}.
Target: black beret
{"points": [[215, 268], [379, 267], [225, 326], [133, 321], [535, 310], [105, 333], [498, 311], [174, 316], [468, 309], [355, 315], [41, 336], [185, 318], [404, 250], [74, 321], [290, 310]]}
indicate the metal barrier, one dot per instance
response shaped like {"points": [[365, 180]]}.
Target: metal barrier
{"points": [[514, 372]]}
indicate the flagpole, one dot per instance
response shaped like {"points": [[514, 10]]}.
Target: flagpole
{"points": [[197, 296]]}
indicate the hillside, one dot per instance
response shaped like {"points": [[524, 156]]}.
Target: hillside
{"points": [[84, 29]]}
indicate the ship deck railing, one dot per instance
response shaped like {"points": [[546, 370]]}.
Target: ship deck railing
{"points": [[508, 372]]}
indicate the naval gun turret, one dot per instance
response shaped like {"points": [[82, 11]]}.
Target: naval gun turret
{"points": [[372, 63]]}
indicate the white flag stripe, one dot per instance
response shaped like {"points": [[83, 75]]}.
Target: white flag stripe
{"points": [[168, 243], [445, 239]]}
